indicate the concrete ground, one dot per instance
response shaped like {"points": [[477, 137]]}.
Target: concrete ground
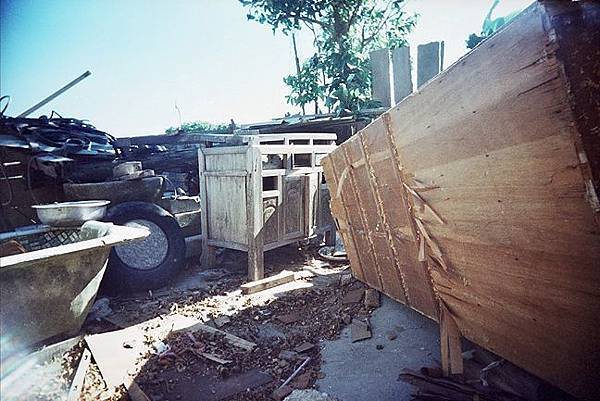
{"points": [[360, 372]]}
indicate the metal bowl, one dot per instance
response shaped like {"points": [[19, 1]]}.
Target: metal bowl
{"points": [[67, 214]]}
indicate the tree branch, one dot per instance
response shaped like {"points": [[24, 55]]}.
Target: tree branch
{"points": [[385, 19]]}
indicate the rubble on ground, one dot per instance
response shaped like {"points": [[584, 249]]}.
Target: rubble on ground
{"points": [[286, 327]]}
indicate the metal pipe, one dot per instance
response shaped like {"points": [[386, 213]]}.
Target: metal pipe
{"points": [[55, 94], [26, 230], [289, 379]]}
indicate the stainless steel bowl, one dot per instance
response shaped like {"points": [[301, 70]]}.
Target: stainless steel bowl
{"points": [[71, 213]]}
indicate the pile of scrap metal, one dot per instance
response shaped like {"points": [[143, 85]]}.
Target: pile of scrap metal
{"points": [[54, 159]]}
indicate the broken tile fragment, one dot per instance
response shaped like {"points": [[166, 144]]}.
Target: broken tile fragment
{"points": [[221, 321], [302, 381], [371, 298], [360, 330], [305, 346], [281, 393], [288, 355], [353, 297]]}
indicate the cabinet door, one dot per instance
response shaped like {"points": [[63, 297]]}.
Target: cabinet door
{"points": [[270, 220], [293, 206]]}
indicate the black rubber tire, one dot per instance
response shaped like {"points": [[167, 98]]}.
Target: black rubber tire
{"points": [[119, 276]]}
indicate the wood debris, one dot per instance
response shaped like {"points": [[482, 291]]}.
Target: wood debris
{"points": [[268, 282]]}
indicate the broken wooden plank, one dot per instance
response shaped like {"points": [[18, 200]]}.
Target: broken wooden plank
{"points": [[77, 383], [451, 353], [268, 282], [230, 338]]}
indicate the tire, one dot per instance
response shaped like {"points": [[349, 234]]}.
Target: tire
{"points": [[150, 263]]}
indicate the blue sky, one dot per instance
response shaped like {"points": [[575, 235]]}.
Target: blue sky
{"points": [[148, 55]]}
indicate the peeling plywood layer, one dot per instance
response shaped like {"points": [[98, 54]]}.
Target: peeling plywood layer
{"points": [[474, 198]]}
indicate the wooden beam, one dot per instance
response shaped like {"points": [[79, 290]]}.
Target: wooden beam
{"points": [[254, 211], [268, 282], [208, 257]]}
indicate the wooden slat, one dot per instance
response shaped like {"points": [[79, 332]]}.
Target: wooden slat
{"points": [[267, 282], [295, 149]]}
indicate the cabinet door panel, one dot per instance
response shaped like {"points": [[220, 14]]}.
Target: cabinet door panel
{"points": [[293, 206], [270, 220]]}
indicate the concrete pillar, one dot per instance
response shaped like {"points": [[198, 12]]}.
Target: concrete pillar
{"points": [[430, 61], [380, 76], [401, 72]]}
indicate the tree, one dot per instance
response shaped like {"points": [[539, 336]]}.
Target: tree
{"points": [[344, 31], [490, 26], [197, 127]]}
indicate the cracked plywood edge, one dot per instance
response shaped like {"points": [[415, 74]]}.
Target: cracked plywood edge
{"points": [[364, 220], [382, 215], [342, 181], [424, 203], [422, 187], [437, 252], [422, 257], [407, 199]]}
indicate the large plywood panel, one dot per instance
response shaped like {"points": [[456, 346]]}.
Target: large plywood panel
{"points": [[480, 186]]}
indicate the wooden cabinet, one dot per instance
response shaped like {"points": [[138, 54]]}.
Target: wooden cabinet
{"points": [[264, 194]]}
